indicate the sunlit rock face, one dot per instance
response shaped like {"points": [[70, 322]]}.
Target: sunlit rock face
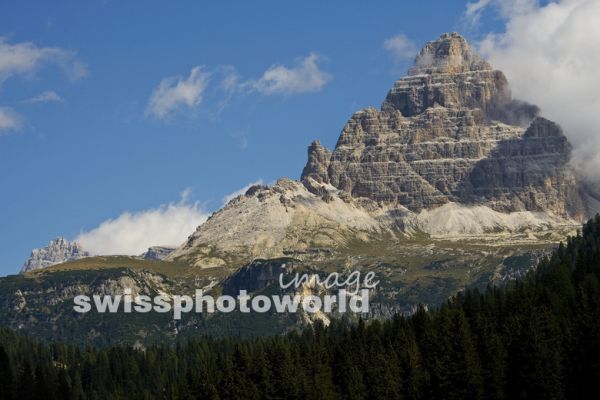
{"points": [[157, 252], [450, 132], [58, 251]]}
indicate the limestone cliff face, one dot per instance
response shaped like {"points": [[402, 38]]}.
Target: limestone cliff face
{"points": [[450, 132], [267, 222], [58, 251], [448, 73], [318, 162], [157, 252]]}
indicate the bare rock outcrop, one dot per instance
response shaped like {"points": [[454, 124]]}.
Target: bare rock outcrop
{"points": [[58, 251], [157, 252], [450, 132], [318, 162]]}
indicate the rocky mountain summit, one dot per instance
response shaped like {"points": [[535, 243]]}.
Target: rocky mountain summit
{"points": [[450, 132], [449, 154], [157, 252], [58, 251]]}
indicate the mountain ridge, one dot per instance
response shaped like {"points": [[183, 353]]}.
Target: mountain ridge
{"points": [[449, 154]]}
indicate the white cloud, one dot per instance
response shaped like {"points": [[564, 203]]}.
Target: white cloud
{"points": [[45, 97], [227, 198], [9, 120], [474, 10], [551, 56], [505, 8], [231, 80], [175, 92], [305, 76], [400, 47], [221, 83], [26, 58], [132, 233]]}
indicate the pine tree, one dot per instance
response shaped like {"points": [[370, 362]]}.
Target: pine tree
{"points": [[6, 376], [26, 384]]}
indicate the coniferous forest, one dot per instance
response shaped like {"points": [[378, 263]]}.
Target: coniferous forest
{"points": [[538, 337]]}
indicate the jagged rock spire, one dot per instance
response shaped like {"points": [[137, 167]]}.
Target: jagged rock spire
{"points": [[59, 250], [450, 54], [450, 74], [318, 163]]}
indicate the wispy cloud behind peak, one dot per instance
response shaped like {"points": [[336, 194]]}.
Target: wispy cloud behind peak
{"points": [[400, 47], [131, 233], [550, 54]]}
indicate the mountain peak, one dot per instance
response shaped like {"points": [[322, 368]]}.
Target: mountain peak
{"points": [[59, 250], [450, 132], [450, 74], [450, 53]]}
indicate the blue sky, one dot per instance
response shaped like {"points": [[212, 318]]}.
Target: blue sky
{"points": [[85, 144]]}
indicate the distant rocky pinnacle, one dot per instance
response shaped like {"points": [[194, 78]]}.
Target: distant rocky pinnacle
{"points": [[157, 252], [58, 251], [450, 132]]}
